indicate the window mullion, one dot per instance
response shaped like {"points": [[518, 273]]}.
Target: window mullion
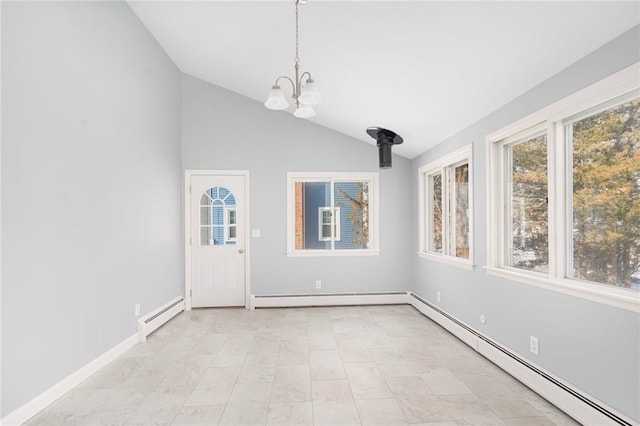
{"points": [[564, 160], [450, 210], [445, 210], [556, 194], [453, 213], [505, 259], [425, 211]]}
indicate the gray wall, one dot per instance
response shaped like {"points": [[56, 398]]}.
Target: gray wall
{"points": [[90, 186], [222, 130], [593, 346]]}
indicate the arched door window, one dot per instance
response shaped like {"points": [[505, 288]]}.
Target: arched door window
{"points": [[218, 222]]}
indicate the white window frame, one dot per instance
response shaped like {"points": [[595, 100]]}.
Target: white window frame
{"points": [[552, 118], [506, 237], [332, 177], [444, 166], [335, 221]]}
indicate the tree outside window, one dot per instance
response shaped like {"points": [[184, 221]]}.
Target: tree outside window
{"points": [[606, 196]]}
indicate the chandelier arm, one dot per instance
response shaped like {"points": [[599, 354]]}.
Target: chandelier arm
{"points": [[293, 86], [303, 74]]}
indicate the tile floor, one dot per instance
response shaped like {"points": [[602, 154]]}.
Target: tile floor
{"points": [[369, 365]]}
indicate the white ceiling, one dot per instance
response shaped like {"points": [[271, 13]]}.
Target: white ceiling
{"points": [[425, 70]]}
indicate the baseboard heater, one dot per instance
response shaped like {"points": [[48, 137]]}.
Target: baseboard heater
{"points": [[156, 319], [331, 299], [574, 403]]}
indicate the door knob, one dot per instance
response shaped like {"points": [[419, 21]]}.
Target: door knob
{"points": [[240, 251]]}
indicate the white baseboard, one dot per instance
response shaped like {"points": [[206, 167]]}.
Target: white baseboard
{"points": [[47, 397], [287, 301], [159, 317], [585, 408]]}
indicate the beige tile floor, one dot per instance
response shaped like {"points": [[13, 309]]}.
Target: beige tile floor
{"points": [[369, 365]]}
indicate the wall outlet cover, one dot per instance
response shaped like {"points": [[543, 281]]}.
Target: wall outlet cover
{"points": [[534, 345]]}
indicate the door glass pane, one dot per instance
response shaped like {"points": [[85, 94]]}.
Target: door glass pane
{"points": [[205, 200], [231, 224], [205, 216], [206, 236], [606, 196], [215, 201], [528, 205], [218, 235]]}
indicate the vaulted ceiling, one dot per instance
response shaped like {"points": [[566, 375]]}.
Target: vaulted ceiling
{"points": [[425, 69]]}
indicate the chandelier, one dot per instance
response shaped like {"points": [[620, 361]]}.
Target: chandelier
{"points": [[305, 95]]}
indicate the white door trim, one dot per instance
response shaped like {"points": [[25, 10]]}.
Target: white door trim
{"points": [[187, 229]]}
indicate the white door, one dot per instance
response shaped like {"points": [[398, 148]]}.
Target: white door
{"points": [[217, 240]]}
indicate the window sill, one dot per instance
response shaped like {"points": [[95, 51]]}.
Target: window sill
{"points": [[332, 253], [616, 297], [449, 260]]}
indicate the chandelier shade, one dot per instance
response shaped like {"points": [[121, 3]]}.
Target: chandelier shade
{"points": [[310, 94], [276, 99], [304, 111]]}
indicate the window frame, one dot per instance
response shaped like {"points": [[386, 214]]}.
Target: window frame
{"points": [[553, 119], [370, 177], [335, 221], [505, 196], [444, 166]]}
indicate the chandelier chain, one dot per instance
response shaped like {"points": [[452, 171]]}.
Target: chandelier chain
{"points": [[297, 58]]}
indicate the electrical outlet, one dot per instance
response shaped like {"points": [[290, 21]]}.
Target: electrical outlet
{"points": [[318, 284], [137, 310], [534, 345], [438, 296], [483, 319]]}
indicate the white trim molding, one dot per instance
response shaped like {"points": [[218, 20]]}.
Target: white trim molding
{"points": [[553, 122], [46, 398], [344, 299], [187, 229], [449, 260], [159, 317], [581, 406]]}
